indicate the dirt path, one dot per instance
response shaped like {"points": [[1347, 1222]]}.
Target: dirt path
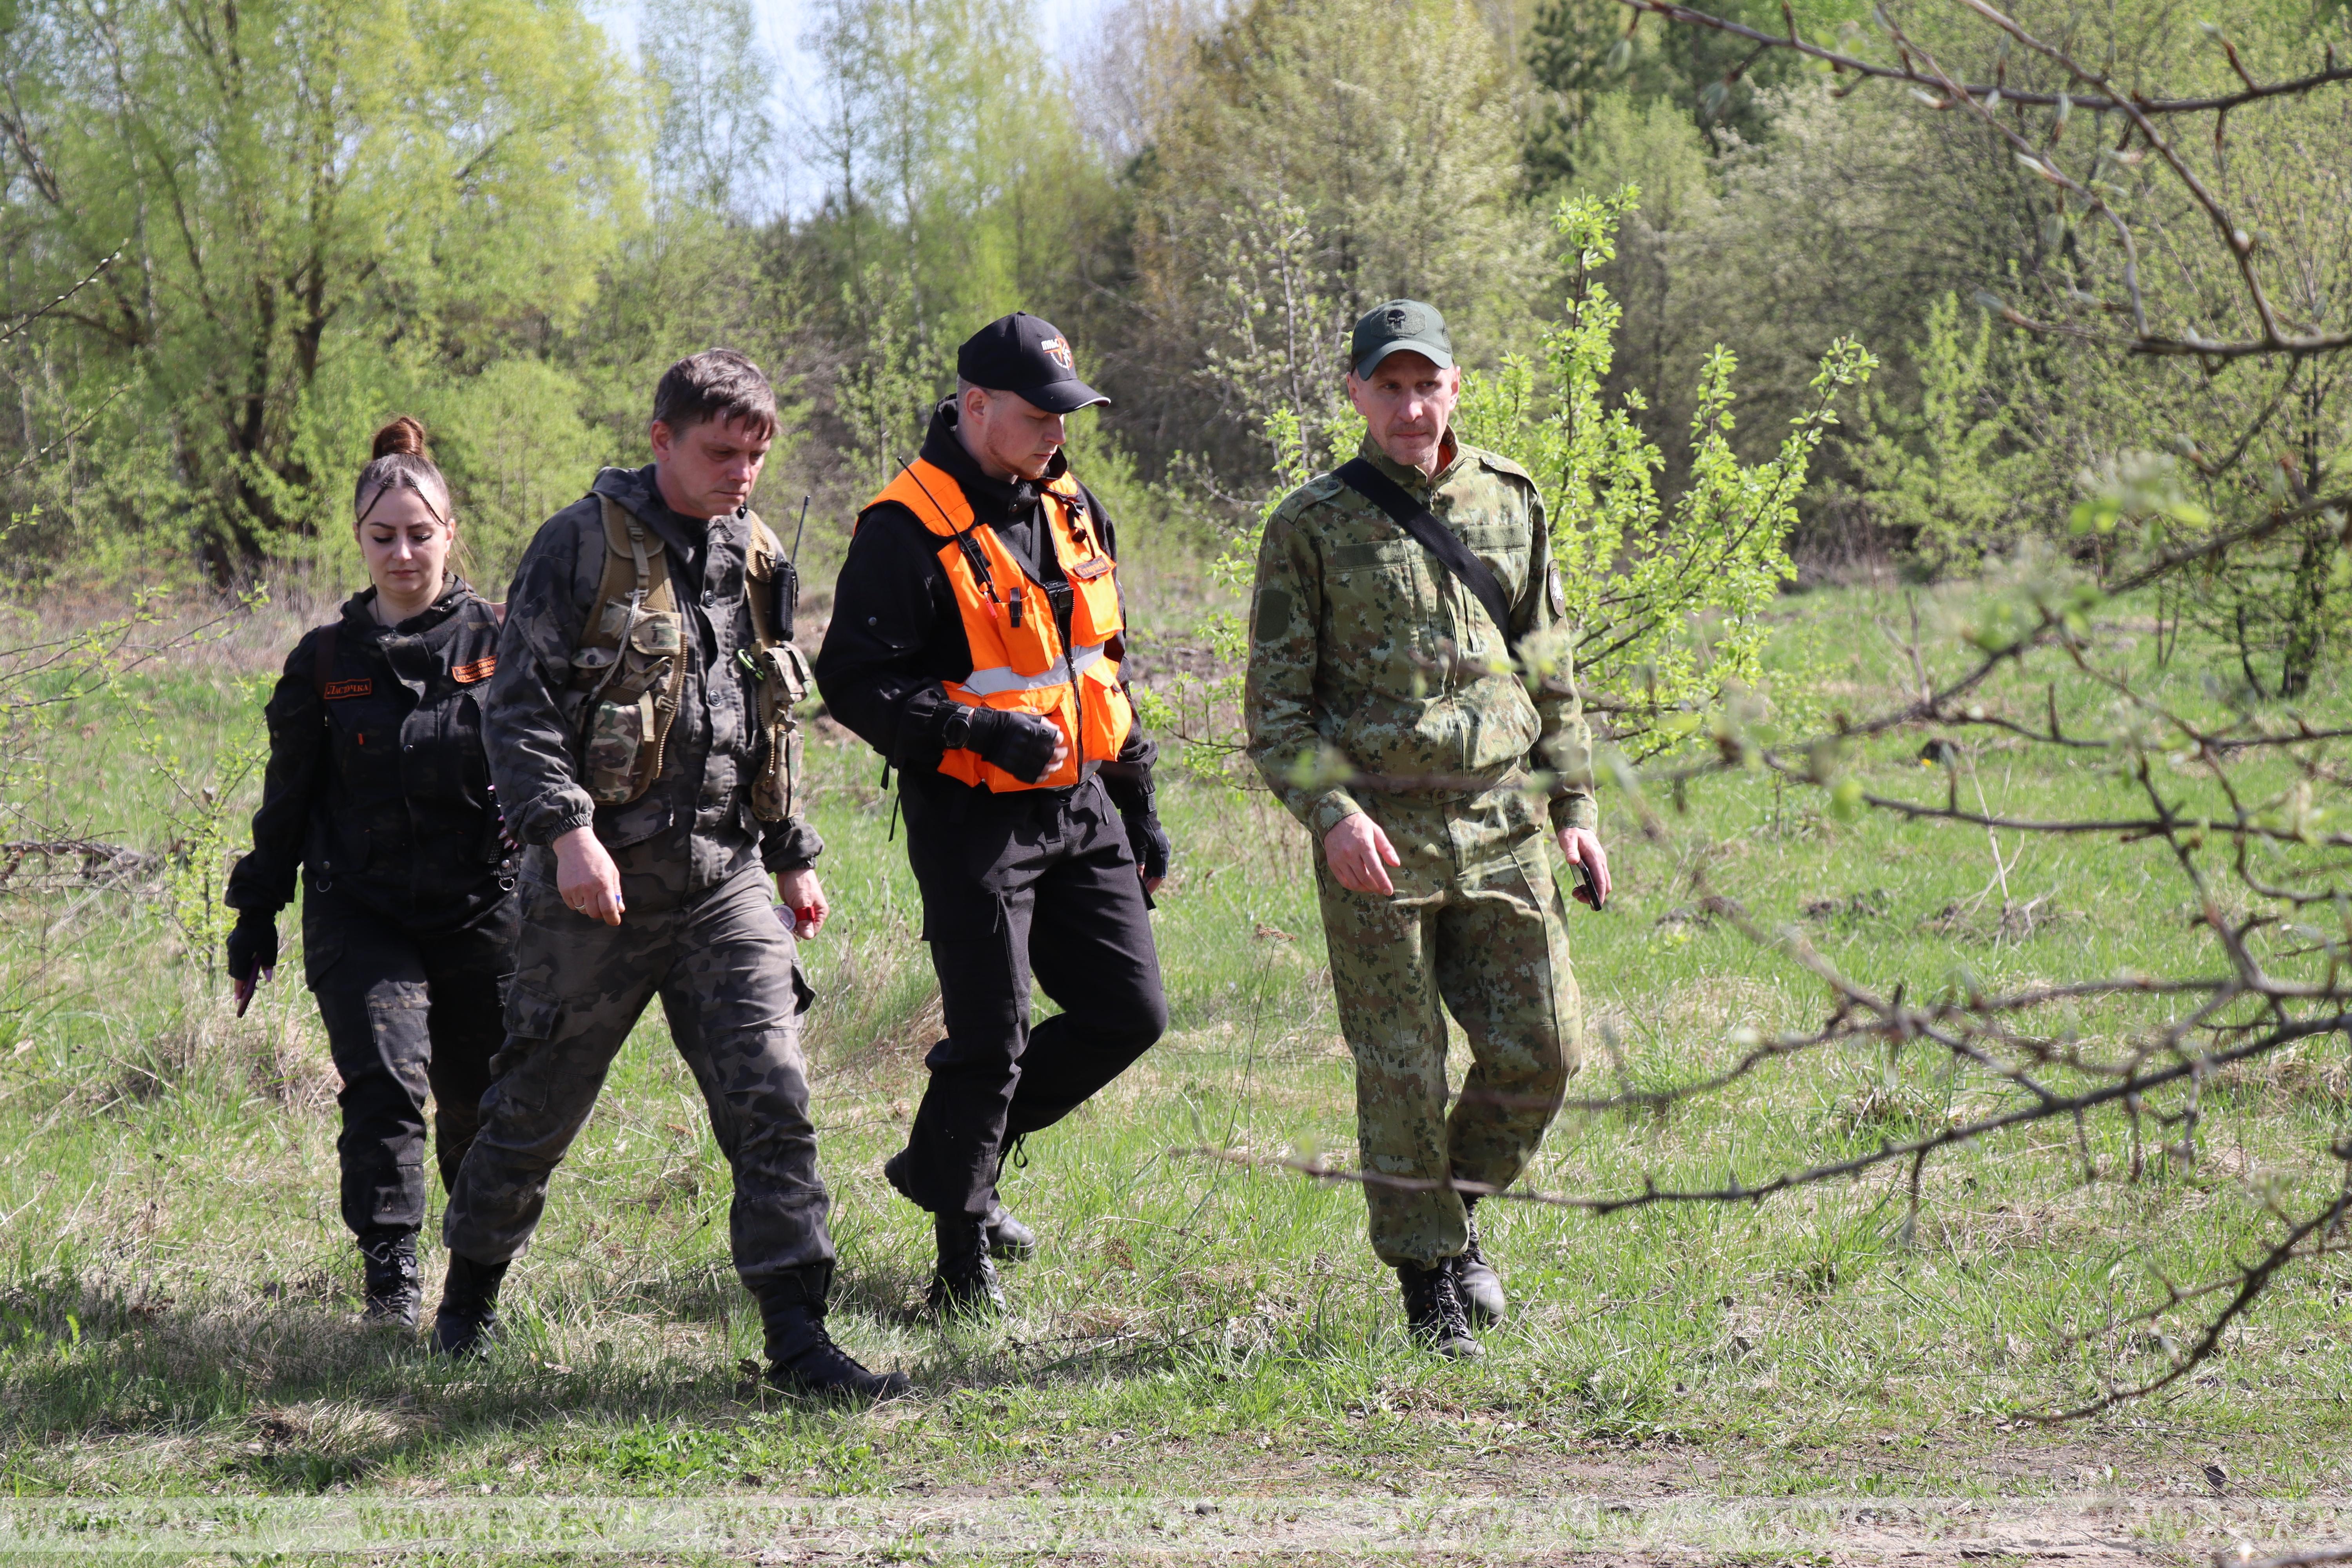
{"points": [[775, 1530]]}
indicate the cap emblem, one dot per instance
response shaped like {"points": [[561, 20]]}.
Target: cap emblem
{"points": [[1397, 318], [1058, 351]]}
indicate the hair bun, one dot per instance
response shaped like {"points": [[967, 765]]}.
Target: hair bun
{"points": [[403, 436]]}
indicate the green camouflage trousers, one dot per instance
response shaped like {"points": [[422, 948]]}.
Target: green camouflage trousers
{"points": [[1475, 929]]}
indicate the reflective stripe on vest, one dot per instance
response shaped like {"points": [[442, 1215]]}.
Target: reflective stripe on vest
{"points": [[989, 682], [1018, 662]]}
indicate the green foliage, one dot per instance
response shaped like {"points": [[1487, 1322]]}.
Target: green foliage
{"points": [[203, 811], [1276, 360], [956, 188], [715, 140], [315, 200], [1293, 153], [885, 394], [2241, 469], [1950, 474], [516, 450], [1582, 52], [1668, 598]]}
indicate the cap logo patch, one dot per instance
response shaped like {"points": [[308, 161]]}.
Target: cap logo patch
{"points": [[1398, 318], [1058, 351]]}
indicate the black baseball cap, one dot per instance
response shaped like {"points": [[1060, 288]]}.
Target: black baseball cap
{"points": [[1027, 356], [1395, 327]]}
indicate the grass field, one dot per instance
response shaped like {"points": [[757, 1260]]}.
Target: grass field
{"points": [[1204, 1360]]}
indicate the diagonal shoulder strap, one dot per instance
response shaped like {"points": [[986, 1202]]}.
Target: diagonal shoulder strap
{"points": [[1436, 538]]}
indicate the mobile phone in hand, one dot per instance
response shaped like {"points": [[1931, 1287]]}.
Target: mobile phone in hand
{"points": [[1587, 890]]}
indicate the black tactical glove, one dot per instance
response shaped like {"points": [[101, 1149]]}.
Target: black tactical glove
{"points": [[1020, 744], [1138, 811], [252, 945], [1150, 843]]}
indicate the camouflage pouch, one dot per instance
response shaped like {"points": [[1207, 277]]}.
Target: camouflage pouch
{"points": [[629, 667], [784, 679], [784, 676]]}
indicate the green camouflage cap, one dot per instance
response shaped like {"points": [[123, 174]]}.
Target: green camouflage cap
{"points": [[1399, 325]]}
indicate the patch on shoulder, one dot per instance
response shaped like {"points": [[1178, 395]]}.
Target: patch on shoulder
{"points": [[478, 669], [1501, 465], [1314, 492]]}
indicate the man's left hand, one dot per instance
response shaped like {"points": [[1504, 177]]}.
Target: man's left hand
{"points": [[1151, 845], [804, 896], [1582, 846]]}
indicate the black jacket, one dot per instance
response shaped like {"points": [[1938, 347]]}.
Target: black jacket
{"points": [[896, 634], [694, 828], [377, 780]]}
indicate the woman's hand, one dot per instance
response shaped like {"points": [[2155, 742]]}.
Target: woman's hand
{"points": [[586, 877], [252, 954]]}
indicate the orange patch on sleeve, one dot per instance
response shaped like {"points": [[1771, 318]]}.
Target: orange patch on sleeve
{"points": [[481, 669]]}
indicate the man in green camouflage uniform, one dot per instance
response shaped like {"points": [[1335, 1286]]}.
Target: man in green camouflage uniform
{"points": [[654, 827], [1384, 709]]}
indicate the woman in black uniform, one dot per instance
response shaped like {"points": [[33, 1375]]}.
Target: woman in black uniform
{"points": [[378, 785]]}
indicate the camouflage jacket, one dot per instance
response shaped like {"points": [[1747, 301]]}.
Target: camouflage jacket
{"points": [[1371, 667], [694, 828]]}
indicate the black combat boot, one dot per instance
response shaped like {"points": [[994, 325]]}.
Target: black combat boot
{"points": [[1007, 1237], [804, 1360], [1434, 1311], [469, 1306], [394, 1292], [1481, 1287], [963, 1282]]}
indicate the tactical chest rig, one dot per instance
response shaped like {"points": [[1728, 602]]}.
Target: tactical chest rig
{"points": [[630, 667]]}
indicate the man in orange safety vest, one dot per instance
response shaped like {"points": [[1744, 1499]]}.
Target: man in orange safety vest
{"points": [[976, 644]]}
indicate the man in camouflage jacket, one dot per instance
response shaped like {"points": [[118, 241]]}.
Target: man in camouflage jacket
{"points": [[1387, 710], [665, 894]]}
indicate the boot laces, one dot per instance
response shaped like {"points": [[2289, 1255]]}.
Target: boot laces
{"points": [[822, 1357]]}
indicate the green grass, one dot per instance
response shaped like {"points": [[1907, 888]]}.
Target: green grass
{"points": [[177, 1294]]}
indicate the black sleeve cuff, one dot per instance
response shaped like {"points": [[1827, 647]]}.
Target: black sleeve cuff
{"points": [[790, 846]]}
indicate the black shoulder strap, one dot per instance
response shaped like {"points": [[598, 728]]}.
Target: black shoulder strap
{"points": [[323, 661], [1439, 541]]}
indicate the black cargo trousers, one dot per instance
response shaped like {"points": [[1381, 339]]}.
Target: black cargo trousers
{"points": [[1029, 882], [407, 1012]]}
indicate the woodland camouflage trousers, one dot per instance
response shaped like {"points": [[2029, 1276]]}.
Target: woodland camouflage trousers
{"points": [[725, 971], [1475, 929]]}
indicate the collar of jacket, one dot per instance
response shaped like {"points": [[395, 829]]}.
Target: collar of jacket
{"points": [[992, 500], [1416, 483], [686, 536], [359, 610]]}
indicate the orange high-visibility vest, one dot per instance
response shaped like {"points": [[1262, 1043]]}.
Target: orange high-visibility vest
{"points": [[1018, 663]]}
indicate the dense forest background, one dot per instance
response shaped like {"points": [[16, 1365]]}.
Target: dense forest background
{"points": [[280, 221]]}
